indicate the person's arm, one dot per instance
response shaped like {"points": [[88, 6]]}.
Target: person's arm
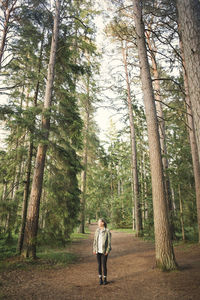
{"points": [[109, 248], [95, 245]]}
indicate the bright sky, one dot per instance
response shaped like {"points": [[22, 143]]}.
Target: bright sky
{"points": [[105, 114]]}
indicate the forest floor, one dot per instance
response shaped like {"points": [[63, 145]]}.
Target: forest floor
{"points": [[131, 274]]}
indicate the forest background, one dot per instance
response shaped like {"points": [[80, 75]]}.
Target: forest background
{"points": [[56, 173]]}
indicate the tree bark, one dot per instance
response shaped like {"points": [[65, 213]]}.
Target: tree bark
{"points": [[85, 160], [181, 213], [29, 163], [192, 138], [5, 187], [144, 171], [161, 127], [134, 168], [165, 258], [189, 24], [7, 14], [25, 199], [30, 237]]}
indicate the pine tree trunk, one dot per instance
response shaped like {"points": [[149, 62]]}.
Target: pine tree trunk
{"points": [[111, 198], [146, 211], [165, 258], [189, 24], [3, 198], [5, 186], [181, 213], [12, 215], [30, 236], [161, 123], [29, 163], [142, 194], [25, 199], [4, 33], [122, 198], [83, 185], [83, 193], [7, 14], [19, 172], [3, 40], [193, 143], [134, 168], [85, 159], [173, 201]]}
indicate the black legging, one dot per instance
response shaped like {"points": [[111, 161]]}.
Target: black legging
{"points": [[102, 260]]}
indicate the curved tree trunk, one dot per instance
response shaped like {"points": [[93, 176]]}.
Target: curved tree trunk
{"points": [[165, 258]]}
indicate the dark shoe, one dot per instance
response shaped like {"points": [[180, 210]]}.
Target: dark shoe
{"points": [[105, 281], [100, 281]]}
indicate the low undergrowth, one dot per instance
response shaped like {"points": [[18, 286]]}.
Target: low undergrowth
{"points": [[125, 230], [48, 256]]}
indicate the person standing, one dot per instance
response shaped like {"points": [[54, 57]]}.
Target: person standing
{"points": [[101, 248]]}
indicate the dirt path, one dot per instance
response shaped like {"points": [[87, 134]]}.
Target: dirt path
{"points": [[130, 274]]}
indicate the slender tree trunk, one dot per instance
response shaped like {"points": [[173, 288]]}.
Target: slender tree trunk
{"points": [[181, 212], [3, 198], [83, 194], [30, 237], [25, 199], [84, 176], [165, 258], [189, 24], [3, 40], [112, 198], [134, 168], [146, 212], [118, 187], [19, 172], [122, 207], [44, 200], [193, 143], [85, 158], [142, 189], [161, 123], [173, 201], [12, 214], [5, 187], [7, 14]]}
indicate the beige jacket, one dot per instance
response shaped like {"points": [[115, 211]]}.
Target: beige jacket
{"points": [[106, 240]]}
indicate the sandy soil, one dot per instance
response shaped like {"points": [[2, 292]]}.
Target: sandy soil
{"points": [[131, 275]]}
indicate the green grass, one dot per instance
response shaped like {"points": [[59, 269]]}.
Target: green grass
{"points": [[185, 245], [125, 230], [48, 256], [77, 236], [49, 259], [57, 258]]}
